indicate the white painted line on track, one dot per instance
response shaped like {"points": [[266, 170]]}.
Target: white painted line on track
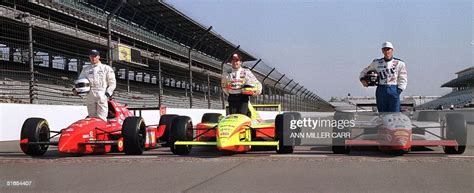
{"points": [[15, 158], [128, 157], [461, 156], [296, 155]]}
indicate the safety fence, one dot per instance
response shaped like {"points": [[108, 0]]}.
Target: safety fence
{"points": [[41, 54]]}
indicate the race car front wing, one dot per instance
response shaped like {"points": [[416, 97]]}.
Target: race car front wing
{"points": [[213, 143]]}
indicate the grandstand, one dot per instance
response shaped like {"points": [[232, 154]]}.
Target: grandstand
{"points": [[462, 94], [174, 61], [350, 103]]}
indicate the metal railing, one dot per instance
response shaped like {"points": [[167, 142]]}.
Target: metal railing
{"points": [[40, 77]]}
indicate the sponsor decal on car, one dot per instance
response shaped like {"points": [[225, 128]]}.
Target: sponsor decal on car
{"points": [[120, 144], [91, 135], [401, 133]]}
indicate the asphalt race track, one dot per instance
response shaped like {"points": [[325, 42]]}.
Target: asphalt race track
{"points": [[309, 169]]}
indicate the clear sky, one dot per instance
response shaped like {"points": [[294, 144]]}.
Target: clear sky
{"points": [[325, 44]]}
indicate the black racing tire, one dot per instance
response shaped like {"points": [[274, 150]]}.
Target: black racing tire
{"points": [[456, 129], [339, 144], [166, 120], [35, 130], [282, 128], [296, 116], [181, 130], [211, 118], [341, 150], [134, 135]]}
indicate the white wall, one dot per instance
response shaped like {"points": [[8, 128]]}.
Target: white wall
{"points": [[12, 116], [468, 113]]}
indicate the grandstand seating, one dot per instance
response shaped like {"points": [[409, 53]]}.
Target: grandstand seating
{"points": [[47, 93], [59, 93], [65, 29], [14, 91], [98, 16], [462, 94], [456, 98]]}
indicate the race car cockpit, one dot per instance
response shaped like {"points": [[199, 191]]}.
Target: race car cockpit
{"points": [[111, 111]]}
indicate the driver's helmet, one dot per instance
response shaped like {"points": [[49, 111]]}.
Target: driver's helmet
{"points": [[82, 86], [372, 78], [249, 90]]}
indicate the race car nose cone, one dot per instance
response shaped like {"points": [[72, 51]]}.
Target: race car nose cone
{"points": [[402, 141], [222, 142], [227, 145]]}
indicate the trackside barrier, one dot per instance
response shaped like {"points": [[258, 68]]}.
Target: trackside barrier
{"points": [[432, 114], [12, 116]]}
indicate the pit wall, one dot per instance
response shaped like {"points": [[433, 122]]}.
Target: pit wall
{"points": [[468, 114], [12, 116]]}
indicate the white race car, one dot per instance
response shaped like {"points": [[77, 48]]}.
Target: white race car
{"points": [[396, 133]]}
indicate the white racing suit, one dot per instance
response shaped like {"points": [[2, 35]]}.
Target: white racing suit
{"points": [[102, 81], [393, 80], [232, 84]]}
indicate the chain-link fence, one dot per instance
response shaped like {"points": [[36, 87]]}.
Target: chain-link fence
{"points": [[42, 52], [280, 88]]}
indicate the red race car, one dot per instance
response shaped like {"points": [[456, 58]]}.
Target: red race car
{"points": [[123, 132]]}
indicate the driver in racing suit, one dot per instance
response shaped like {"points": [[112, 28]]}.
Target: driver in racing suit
{"points": [[103, 83], [393, 79], [232, 83]]}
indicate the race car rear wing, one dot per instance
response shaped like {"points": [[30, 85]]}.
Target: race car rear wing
{"points": [[162, 110], [265, 106], [360, 105], [375, 105]]}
